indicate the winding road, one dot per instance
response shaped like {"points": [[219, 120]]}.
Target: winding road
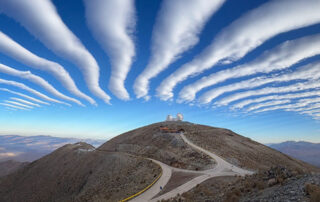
{"points": [[222, 168]]}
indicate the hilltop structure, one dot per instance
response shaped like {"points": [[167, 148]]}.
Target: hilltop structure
{"points": [[178, 118]]}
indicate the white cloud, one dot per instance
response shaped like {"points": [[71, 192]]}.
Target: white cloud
{"points": [[25, 101], [310, 100], [13, 106], [112, 23], [310, 107], [278, 58], [299, 106], [10, 108], [308, 104], [280, 107], [307, 72], [178, 25], [9, 154], [41, 19], [275, 97], [37, 80], [267, 104], [24, 87], [245, 34], [269, 90], [14, 50], [25, 96], [18, 104], [311, 112]]}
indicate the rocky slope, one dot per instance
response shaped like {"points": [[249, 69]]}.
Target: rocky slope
{"points": [[79, 173], [119, 168], [240, 150], [275, 185], [149, 141], [10, 166], [169, 148]]}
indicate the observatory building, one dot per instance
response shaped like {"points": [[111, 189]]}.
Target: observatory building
{"points": [[178, 118]]}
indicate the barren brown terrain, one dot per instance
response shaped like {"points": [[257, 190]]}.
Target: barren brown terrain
{"points": [[10, 166], [241, 151], [120, 167], [75, 173], [168, 148]]}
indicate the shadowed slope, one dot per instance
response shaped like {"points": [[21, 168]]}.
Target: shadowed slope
{"points": [[10, 166], [78, 173]]}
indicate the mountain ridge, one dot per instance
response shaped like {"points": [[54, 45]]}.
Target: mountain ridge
{"points": [[302, 150], [77, 171]]}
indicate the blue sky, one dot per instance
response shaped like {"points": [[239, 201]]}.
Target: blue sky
{"points": [[95, 68]]}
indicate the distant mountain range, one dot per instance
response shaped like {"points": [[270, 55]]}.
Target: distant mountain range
{"points": [[305, 151], [30, 148]]}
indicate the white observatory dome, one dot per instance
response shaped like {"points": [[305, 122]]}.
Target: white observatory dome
{"points": [[169, 118], [179, 117]]}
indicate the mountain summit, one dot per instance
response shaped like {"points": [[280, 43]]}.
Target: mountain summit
{"points": [[157, 162]]}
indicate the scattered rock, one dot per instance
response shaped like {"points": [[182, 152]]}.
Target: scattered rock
{"points": [[294, 189], [272, 182]]}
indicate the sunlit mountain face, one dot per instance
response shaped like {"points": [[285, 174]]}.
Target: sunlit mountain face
{"points": [[96, 68]]}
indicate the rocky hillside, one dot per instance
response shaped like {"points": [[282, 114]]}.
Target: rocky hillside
{"points": [[274, 185], [169, 148], [76, 172], [10, 166], [149, 141], [120, 168], [240, 150]]}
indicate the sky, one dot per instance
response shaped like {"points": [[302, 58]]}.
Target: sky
{"points": [[96, 68]]}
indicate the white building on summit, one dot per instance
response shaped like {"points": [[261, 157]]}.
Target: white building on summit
{"points": [[178, 118]]}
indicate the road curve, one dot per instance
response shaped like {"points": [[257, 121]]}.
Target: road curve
{"points": [[222, 165], [155, 189], [222, 168]]}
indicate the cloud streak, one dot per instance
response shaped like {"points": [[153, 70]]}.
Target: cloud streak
{"points": [[37, 80], [176, 30], [311, 112], [244, 35], [289, 107], [307, 72], [14, 50], [267, 104], [12, 106], [311, 107], [112, 24], [18, 104], [25, 101], [278, 58], [275, 97], [41, 19], [269, 90], [302, 105], [25, 96], [24, 87], [280, 107]]}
